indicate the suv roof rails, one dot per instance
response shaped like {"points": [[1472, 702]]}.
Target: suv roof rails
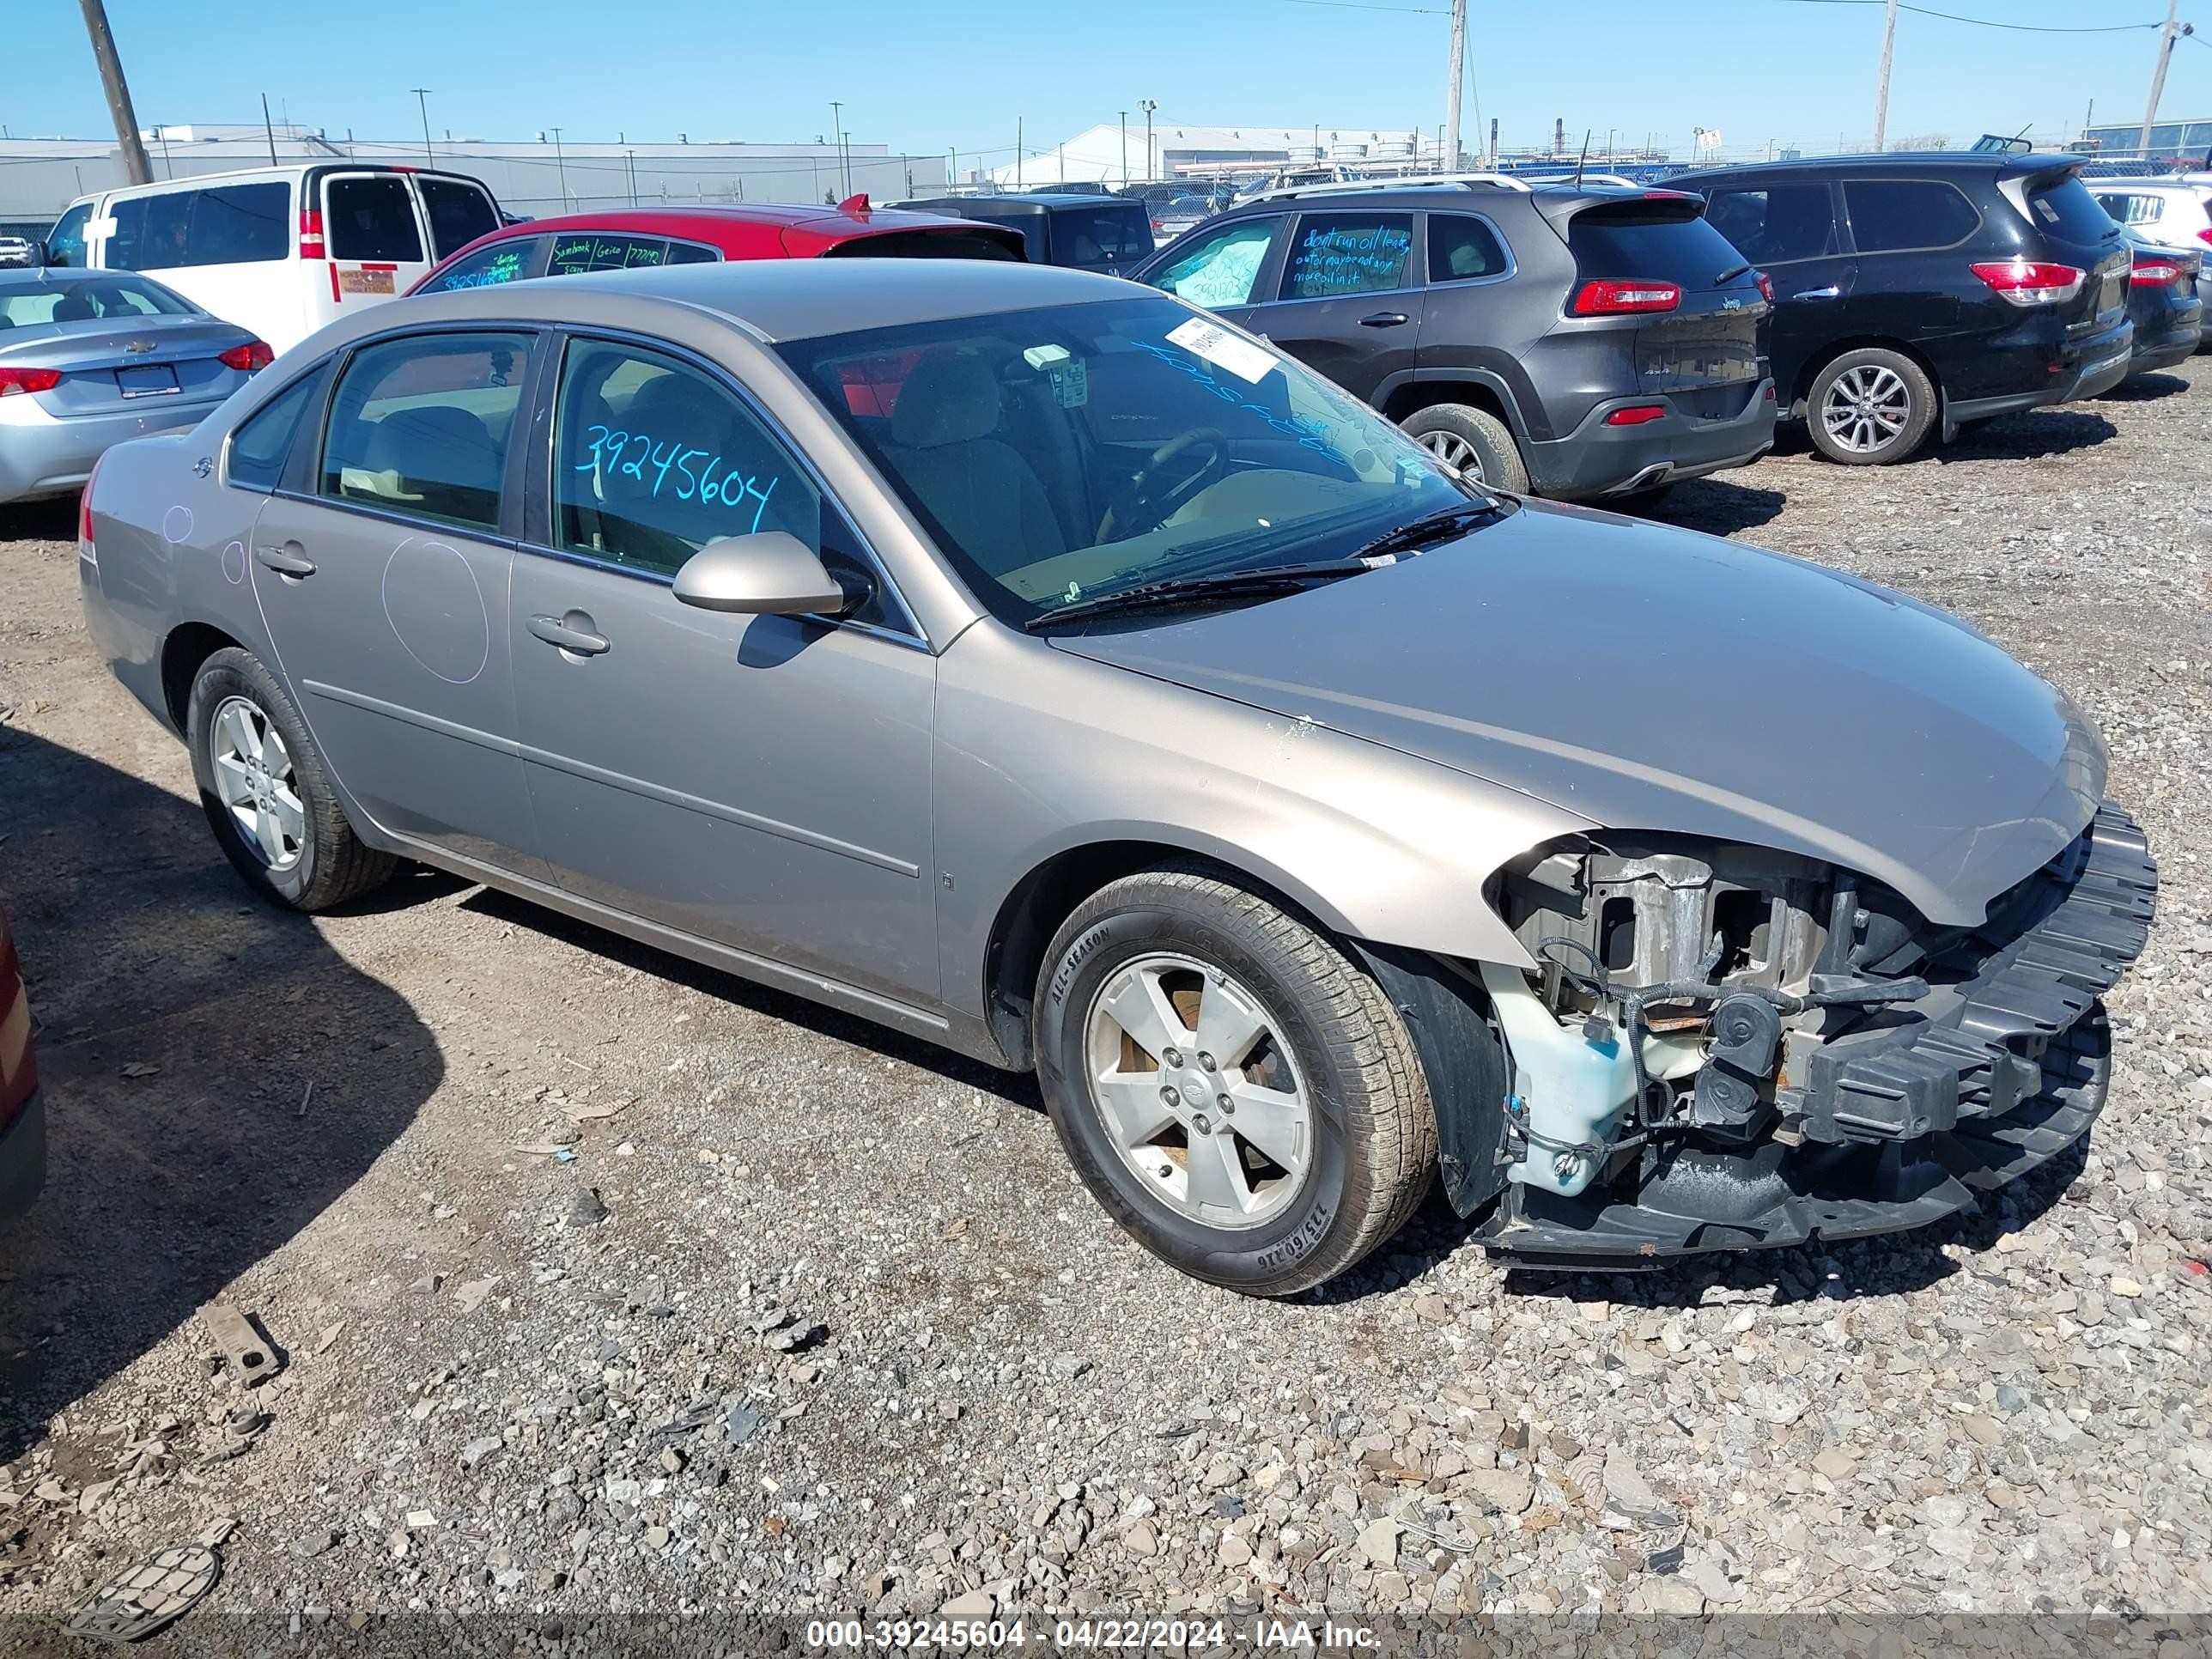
{"points": [[1442, 181]]}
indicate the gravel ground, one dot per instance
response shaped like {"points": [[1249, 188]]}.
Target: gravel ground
{"points": [[607, 1285]]}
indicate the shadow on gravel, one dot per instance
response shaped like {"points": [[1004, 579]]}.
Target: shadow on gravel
{"points": [[2038, 433], [1718, 506], [181, 1021], [2145, 389], [1019, 1088], [45, 521]]}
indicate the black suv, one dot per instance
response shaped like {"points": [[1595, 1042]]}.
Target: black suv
{"points": [[1579, 343], [1921, 293], [1084, 232]]}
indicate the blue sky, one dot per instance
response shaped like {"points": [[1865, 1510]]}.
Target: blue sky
{"points": [[921, 75]]}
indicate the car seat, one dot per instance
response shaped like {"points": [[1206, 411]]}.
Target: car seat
{"points": [[977, 486]]}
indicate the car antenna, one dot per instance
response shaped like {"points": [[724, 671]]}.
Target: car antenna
{"points": [[1582, 158]]}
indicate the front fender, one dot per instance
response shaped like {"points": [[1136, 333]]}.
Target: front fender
{"points": [[1040, 752]]}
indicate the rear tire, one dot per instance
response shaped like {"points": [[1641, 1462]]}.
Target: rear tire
{"points": [[1337, 1141], [267, 791], [1870, 407], [1472, 440]]}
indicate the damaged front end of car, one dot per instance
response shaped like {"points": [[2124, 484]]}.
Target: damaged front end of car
{"points": [[1723, 1047]]}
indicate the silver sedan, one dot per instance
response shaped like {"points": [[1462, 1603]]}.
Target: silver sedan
{"points": [[90, 358], [1035, 665]]}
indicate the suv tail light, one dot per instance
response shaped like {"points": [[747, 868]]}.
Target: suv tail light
{"points": [[311, 232], [14, 379], [250, 357], [19, 1062], [1612, 296], [2032, 282], [1765, 285], [2154, 269]]}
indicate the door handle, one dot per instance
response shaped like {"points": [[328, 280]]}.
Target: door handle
{"points": [[1384, 319], [556, 630], [1830, 292], [285, 562]]}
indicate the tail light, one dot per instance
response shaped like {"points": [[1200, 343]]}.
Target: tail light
{"points": [[311, 232], [2154, 270], [14, 379], [2032, 282], [1636, 415], [1765, 285], [247, 358], [1611, 296], [19, 1062]]}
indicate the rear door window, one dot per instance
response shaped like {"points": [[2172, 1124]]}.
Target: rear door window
{"points": [[1889, 215], [259, 448], [576, 252], [507, 261], [1335, 254], [2129, 207], [1220, 269], [1773, 226], [420, 426], [459, 210], [371, 219], [1462, 248]]}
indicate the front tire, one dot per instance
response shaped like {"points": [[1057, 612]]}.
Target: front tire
{"points": [[267, 792], [1870, 408], [1472, 440], [1233, 1089]]}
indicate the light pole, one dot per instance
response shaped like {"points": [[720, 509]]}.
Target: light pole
{"points": [[1148, 104], [423, 103], [1125, 150], [837, 132], [560, 167]]}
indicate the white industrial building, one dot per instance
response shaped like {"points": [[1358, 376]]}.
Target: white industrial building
{"points": [[1114, 152], [545, 174]]}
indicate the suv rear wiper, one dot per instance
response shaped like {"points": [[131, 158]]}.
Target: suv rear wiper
{"points": [[1221, 584], [1435, 528], [1731, 274]]}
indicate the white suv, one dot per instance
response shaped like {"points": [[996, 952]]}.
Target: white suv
{"points": [[2173, 212]]}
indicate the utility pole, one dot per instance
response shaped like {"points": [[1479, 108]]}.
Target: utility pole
{"points": [[629, 164], [1148, 104], [1449, 160], [1882, 95], [2165, 38], [268, 131], [1125, 152], [423, 103], [135, 165]]}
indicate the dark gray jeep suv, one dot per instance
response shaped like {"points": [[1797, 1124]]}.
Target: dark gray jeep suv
{"points": [[1575, 342]]}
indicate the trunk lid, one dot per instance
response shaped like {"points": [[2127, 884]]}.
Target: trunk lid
{"points": [[110, 363], [1704, 352], [2074, 231]]}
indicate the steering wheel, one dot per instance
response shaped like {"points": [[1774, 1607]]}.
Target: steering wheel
{"points": [[1142, 494]]}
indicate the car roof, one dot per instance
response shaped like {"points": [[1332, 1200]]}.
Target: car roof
{"points": [[2012, 163], [777, 299], [706, 222]]}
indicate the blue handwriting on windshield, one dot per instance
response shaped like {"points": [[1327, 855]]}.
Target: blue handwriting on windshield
{"points": [[617, 453], [1310, 433]]}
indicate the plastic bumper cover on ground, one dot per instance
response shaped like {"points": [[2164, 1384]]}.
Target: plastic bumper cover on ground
{"points": [[23, 1159], [2013, 1069]]}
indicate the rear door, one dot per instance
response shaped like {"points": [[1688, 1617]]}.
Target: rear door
{"points": [[1350, 303], [373, 240], [1703, 351], [1792, 229], [457, 211]]}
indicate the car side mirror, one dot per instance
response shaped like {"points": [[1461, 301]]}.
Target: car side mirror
{"points": [[770, 573]]}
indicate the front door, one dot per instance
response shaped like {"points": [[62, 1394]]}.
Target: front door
{"points": [[385, 592], [760, 781], [1349, 300], [1791, 230]]}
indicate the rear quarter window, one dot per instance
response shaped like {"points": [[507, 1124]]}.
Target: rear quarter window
{"points": [[1889, 215], [1089, 238], [1652, 239]]}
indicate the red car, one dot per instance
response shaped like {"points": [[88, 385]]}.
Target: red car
{"points": [[623, 238], [22, 1119]]}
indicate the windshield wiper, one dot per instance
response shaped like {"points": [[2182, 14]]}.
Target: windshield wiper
{"points": [[1731, 274], [1434, 527], [1221, 584]]}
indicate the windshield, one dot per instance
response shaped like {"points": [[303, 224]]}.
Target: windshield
{"points": [[1057, 455]]}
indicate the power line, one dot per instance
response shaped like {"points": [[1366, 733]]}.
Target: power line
{"points": [[1983, 22]]}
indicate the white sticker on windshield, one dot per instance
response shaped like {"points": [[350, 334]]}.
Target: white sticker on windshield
{"points": [[1218, 345]]}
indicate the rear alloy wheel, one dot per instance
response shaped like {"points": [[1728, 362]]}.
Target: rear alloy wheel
{"points": [[1231, 1086], [1870, 408], [1473, 441], [267, 792]]}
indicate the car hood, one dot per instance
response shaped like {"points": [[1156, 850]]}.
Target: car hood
{"points": [[1653, 678]]}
